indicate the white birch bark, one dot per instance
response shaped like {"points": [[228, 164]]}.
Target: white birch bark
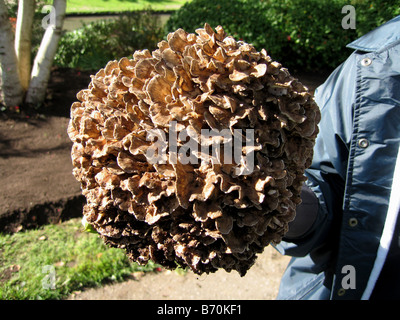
{"points": [[44, 58], [23, 37], [11, 90]]}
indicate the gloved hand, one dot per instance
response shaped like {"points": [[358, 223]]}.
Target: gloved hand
{"points": [[306, 213]]}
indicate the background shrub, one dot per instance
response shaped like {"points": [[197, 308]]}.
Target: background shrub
{"points": [[93, 45], [304, 35]]}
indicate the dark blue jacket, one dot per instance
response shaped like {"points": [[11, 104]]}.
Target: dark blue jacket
{"points": [[352, 175]]}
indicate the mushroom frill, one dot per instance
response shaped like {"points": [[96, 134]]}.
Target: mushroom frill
{"points": [[205, 213]]}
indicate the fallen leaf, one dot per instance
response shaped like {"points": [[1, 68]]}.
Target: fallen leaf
{"points": [[15, 268]]}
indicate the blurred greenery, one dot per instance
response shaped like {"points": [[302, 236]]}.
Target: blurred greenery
{"points": [[96, 43], [96, 6], [304, 35]]}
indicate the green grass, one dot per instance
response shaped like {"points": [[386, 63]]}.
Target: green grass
{"points": [[55, 260], [98, 6]]}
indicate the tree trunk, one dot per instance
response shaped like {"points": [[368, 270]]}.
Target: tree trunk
{"points": [[44, 59], [12, 93], [23, 36]]}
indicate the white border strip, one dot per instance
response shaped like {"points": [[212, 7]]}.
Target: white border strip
{"points": [[387, 235]]}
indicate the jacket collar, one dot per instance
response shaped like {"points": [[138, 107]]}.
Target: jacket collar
{"points": [[380, 38]]}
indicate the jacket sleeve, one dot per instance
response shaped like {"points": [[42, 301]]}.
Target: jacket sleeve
{"points": [[327, 174]]}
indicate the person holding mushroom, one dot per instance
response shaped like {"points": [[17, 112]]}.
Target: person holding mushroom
{"points": [[345, 237]]}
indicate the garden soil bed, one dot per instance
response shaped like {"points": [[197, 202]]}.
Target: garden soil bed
{"points": [[37, 187]]}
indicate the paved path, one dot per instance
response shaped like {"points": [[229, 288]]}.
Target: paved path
{"points": [[260, 283]]}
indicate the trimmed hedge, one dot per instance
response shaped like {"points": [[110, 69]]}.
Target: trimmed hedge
{"points": [[304, 35], [96, 43]]}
